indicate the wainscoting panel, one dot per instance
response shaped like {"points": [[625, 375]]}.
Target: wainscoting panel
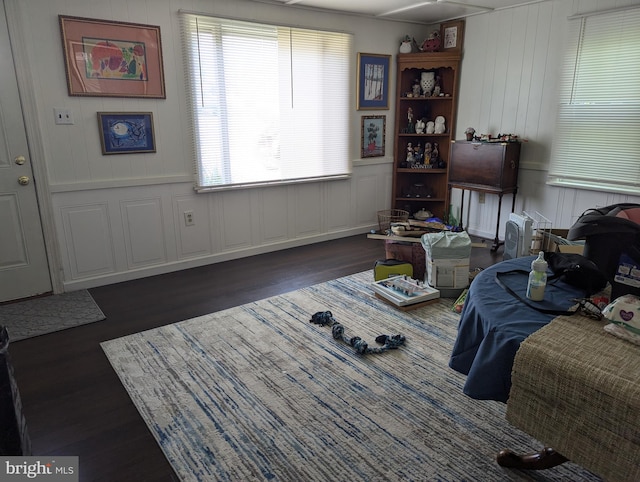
{"points": [[339, 205], [144, 232], [192, 239], [367, 191], [235, 219], [272, 210], [88, 240], [309, 209], [117, 234]]}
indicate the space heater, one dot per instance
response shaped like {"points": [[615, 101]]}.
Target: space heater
{"points": [[517, 236]]}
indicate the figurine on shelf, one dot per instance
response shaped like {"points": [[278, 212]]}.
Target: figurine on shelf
{"points": [[427, 82], [469, 132], [410, 158], [420, 126], [432, 42], [415, 88], [431, 127], [434, 158], [427, 154], [418, 154], [437, 89], [410, 125], [439, 127], [408, 45], [405, 45]]}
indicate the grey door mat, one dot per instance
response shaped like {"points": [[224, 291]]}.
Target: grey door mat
{"points": [[39, 316]]}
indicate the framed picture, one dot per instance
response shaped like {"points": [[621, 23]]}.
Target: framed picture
{"points": [[126, 132], [373, 81], [112, 59], [452, 35], [373, 135]]}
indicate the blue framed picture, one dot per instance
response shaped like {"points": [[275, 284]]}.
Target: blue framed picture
{"points": [[373, 81], [126, 132]]}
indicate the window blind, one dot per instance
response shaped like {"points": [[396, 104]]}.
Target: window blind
{"points": [[596, 143], [269, 104]]}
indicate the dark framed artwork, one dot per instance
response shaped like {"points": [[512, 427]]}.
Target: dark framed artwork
{"points": [[373, 81], [452, 36], [126, 132], [373, 135], [112, 59]]}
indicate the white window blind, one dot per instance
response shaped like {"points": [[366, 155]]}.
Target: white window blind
{"points": [[597, 145], [269, 104]]}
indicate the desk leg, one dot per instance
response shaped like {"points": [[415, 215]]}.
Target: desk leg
{"points": [[544, 459], [496, 241], [460, 223]]}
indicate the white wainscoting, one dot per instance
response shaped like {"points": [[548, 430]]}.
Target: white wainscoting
{"points": [[120, 233]]}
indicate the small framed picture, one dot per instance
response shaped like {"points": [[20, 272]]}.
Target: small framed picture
{"points": [[126, 132], [373, 81], [452, 35], [373, 135]]}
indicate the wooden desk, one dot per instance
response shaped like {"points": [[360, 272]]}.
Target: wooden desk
{"points": [[487, 167]]}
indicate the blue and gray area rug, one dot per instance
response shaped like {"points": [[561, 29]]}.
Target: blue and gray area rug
{"points": [[40, 316], [257, 392]]}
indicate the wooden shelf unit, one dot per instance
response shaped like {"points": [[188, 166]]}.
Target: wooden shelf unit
{"points": [[424, 187]]}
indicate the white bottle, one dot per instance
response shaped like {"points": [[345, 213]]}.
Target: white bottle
{"points": [[537, 278]]}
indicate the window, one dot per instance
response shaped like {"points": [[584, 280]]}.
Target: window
{"points": [[269, 104], [597, 142]]}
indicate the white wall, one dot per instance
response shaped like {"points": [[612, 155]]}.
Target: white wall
{"points": [[511, 61], [120, 217]]}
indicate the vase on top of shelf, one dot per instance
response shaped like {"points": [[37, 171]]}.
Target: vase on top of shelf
{"points": [[427, 82]]}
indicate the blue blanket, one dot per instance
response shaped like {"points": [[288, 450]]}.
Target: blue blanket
{"points": [[493, 323]]}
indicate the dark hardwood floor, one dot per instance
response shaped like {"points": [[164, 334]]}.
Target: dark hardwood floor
{"points": [[73, 400]]}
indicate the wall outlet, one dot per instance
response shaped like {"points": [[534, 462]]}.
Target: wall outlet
{"points": [[188, 218], [480, 198], [63, 116]]}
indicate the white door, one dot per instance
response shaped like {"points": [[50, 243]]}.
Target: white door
{"points": [[24, 269]]}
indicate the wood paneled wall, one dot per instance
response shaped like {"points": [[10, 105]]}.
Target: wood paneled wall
{"points": [[512, 59]]}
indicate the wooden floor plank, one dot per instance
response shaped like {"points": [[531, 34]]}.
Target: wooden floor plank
{"points": [[73, 400]]}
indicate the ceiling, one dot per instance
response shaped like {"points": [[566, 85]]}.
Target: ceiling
{"points": [[416, 11]]}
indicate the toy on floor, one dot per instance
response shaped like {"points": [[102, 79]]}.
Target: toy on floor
{"points": [[388, 342]]}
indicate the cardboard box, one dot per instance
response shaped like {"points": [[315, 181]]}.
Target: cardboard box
{"points": [[555, 240], [452, 274]]}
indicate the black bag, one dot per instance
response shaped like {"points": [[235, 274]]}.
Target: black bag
{"points": [[576, 270]]}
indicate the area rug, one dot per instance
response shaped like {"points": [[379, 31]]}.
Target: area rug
{"points": [[257, 392], [48, 314]]}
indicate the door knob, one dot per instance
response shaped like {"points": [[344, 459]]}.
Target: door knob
{"points": [[20, 160], [23, 180]]}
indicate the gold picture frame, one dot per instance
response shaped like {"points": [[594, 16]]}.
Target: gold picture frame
{"points": [[105, 58], [452, 36]]}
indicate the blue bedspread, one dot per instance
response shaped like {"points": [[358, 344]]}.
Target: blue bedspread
{"points": [[493, 323]]}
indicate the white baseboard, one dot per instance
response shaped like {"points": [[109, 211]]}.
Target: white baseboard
{"points": [[112, 278]]}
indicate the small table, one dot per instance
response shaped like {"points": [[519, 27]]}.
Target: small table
{"points": [[493, 324]]}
